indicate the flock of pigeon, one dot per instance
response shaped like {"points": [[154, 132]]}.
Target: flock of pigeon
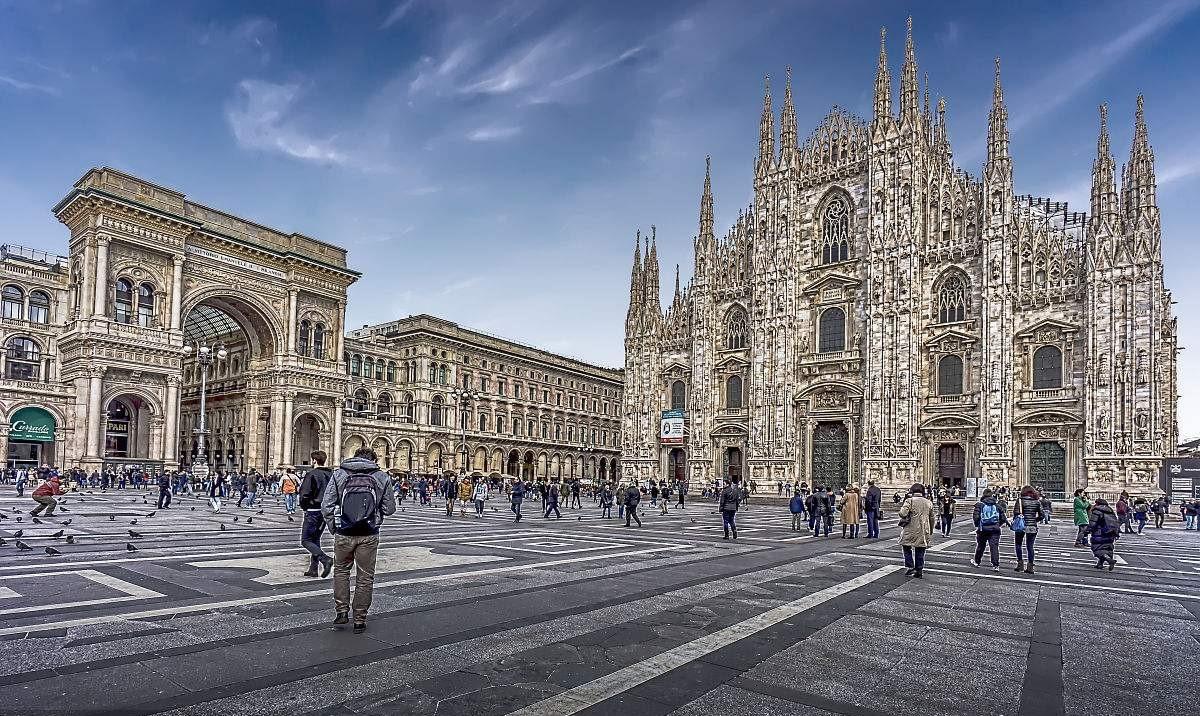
{"points": [[70, 539]]}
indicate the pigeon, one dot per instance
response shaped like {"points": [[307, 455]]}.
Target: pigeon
{"points": [[291, 519], [260, 512], [3, 516], [135, 535], [249, 520], [18, 519], [22, 546], [2, 542], [65, 524], [62, 509], [222, 526], [51, 551], [18, 533], [235, 518], [155, 512], [129, 547], [70, 539], [193, 509], [57, 534], [133, 521], [36, 521], [112, 518]]}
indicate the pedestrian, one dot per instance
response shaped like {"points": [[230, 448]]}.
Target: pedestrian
{"points": [[821, 509], [480, 495], [450, 492], [22, 478], [632, 497], [653, 494], [796, 506], [164, 491], [606, 501], [872, 501], [731, 498], [516, 497], [1047, 508], [946, 509], [423, 490], [1159, 508], [666, 497], [575, 503], [1027, 514], [989, 518], [214, 492], [290, 487], [551, 502], [1081, 508], [356, 500], [1125, 513], [1104, 530], [682, 487], [312, 492], [45, 493], [252, 480], [466, 492], [851, 510], [916, 527], [1141, 510]]}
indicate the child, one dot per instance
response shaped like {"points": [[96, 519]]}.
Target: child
{"points": [[797, 509]]}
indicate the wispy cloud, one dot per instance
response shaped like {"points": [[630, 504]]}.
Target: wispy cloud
{"points": [[521, 68], [255, 34], [1179, 169], [493, 133], [461, 285], [397, 14], [260, 119], [23, 86]]}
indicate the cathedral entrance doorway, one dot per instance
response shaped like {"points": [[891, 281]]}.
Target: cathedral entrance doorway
{"points": [[830, 455], [1048, 468], [677, 461], [952, 464], [732, 459]]}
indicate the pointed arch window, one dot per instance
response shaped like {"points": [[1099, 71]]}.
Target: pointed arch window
{"points": [[318, 341], [950, 375], [1047, 368], [735, 329], [124, 301], [304, 340], [733, 392], [832, 336], [835, 231], [145, 305], [39, 307], [953, 298]]}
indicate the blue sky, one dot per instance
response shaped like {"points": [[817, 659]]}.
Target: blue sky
{"points": [[490, 162]]}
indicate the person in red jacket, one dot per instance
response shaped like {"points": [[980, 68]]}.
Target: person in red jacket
{"points": [[44, 496]]}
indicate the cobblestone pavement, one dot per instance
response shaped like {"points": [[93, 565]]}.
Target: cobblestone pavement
{"points": [[578, 615]]}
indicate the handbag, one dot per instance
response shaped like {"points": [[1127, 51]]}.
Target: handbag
{"points": [[1018, 523]]}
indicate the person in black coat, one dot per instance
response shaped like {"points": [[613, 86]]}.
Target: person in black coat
{"points": [[871, 504], [312, 490]]}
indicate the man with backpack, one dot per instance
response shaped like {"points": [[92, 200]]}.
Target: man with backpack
{"points": [[989, 517], [312, 492], [356, 500], [731, 498]]}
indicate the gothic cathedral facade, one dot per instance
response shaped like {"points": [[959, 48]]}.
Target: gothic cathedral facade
{"points": [[879, 314]]}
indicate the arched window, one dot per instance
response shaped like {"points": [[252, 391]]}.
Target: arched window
{"points": [[391, 371], [356, 365], [409, 409], [379, 369], [361, 398], [1047, 368], [735, 329], [952, 299], [318, 341], [145, 307], [733, 392], [383, 407], [39, 307], [442, 374], [304, 340], [14, 302], [832, 336], [23, 359], [950, 375], [570, 433], [368, 367], [124, 302], [500, 424], [678, 395], [835, 231], [545, 431], [483, 422], [433, 372], [435, 411], [558, 432]]}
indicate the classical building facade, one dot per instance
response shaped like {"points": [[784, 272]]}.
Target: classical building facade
{"points": [[878, 313], [100, 368]]}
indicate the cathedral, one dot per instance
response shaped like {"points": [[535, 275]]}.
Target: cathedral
{"points": [[878, 313]]}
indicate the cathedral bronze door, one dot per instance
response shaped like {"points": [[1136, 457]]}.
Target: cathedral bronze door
{"points": [[830, 455], [678, 460], [1048, 468], [732, 457], [952, 464]]}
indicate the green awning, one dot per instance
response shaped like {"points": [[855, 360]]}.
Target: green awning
{"points": [[32, 424]]}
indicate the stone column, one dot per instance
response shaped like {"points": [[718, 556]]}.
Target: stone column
{"points": [[291, 321], [339, 338], [99, 307], [335, 447], [95, 414], [158, 425], [171, 429], [177, 294], [288, 434], [276, 433], [4, 443]]}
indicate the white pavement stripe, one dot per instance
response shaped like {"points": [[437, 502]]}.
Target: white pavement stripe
{"points": [[943, 546], [585, 696], [131, 590], [325, 590], [1037, 582]]}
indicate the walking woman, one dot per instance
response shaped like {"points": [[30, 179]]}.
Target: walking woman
{"points": [[1027, 514], [214, 491], [916, 522], [851, 511], [946, 512], [1082, 509]]}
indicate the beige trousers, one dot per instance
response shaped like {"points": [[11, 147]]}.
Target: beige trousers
{"points": [[359, 551]]}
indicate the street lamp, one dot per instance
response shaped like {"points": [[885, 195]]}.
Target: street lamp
{"points": [[463, 397], [205, 356]]}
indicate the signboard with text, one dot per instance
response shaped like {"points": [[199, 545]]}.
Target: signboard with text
{"points": [[672, 428], [1179, 477], [33, 424]]}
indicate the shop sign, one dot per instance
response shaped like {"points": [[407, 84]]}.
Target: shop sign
{"points": [[32, 424]]}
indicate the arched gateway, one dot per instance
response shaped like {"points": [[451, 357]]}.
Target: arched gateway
{"points": [[153, 273]]}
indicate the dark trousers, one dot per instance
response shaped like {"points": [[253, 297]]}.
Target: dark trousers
{"points": [[728, 523], [164, 497], [516, 509], [1081, 538], [1141, 522], [991, 540], [1158, 520], [914, 557], [553, 507], [825, 521], [314, 525], [872, 524], [947, 520], [1028, 538], [631, 512]]}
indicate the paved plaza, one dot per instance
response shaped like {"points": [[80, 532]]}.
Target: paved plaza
{"points": [[579, 616]]}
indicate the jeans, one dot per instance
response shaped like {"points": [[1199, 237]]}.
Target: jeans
{"points": [[1028, 538], [797, 520], [991, 540], [872, 524], [1141, 522], [553, 507], [819, 522], [947, 520], [606, 512], [251, 496], [164, 497], [20, 488], [359, 551], [516, 508], [916, 561], [479, 507], [215, 502], [728, 523], [45, 502], [310, 537], [289, 502]]}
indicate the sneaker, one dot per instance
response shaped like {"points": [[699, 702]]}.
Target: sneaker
{"points": [[909, 572], [342, 618], [995, 568], [974, 563]]}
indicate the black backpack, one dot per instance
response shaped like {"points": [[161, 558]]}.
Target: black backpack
{"points": [[360, 501]]}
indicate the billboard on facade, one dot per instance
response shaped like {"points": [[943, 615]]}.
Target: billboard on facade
{"points": [[1179, 477], [672, 428]]}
